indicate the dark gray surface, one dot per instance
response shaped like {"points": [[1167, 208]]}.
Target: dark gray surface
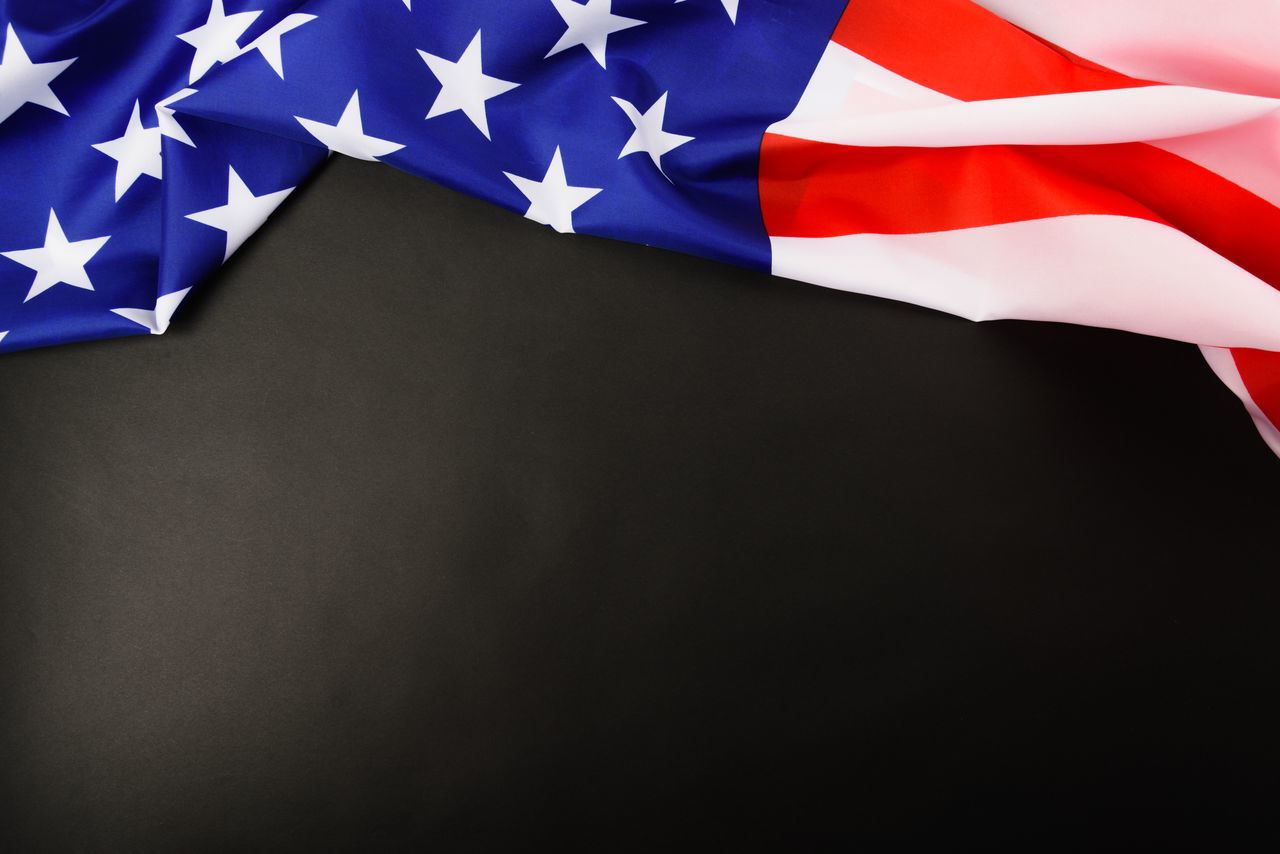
{"points": [[425, 525]]}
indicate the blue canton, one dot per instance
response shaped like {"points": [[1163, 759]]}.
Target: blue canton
{"points": [[141, 141]]}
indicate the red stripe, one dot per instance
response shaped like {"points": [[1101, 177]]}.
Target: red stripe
{"points": [[1260, 370], [962, 50], [817, 189]]}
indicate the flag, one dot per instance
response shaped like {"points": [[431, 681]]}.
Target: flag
{"points": [[1111, 164]]}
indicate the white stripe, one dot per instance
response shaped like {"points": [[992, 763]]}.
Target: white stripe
{"points": [[1247, 154], [1224, 365], [1186, 42], [846, 86], [1217, 44], [1071, 118], [1104, 271], [1109, 271]]}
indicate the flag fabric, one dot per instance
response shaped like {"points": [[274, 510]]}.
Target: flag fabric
{"points": [[1115, 164]]}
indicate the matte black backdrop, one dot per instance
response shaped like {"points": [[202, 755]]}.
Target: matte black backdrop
{"points": [[428, 526]]}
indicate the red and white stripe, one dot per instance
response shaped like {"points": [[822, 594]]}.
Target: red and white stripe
{"points": [[973, 160]]}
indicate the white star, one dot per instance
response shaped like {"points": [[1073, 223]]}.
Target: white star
{"points": [[730, 6], [589, 25], [464, 85], [216, 39], [59, 260], [136, 153], [649, 137], [268, 44], [2, 334], [348, 136], [552, 201], [156, 319], [25, 82], [242, 214], [168, 124], [408, 4]]}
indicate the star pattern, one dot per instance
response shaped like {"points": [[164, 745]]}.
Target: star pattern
{"points": [[268, 44], [242, 214], [586, 125], [137, 153], [589, 25], [58, 261], [155, 319], [217, 40], [25, 82], [168, 124], [348, 136], [464, 85], [649, 137], [552, 200]]}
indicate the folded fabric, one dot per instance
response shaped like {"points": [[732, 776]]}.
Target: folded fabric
{"points": [[1103, 163]]}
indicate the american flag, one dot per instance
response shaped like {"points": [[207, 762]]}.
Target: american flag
{"points": [[1104, 163]]}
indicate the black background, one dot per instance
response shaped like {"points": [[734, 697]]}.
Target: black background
{"points": [[426, 526]]}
